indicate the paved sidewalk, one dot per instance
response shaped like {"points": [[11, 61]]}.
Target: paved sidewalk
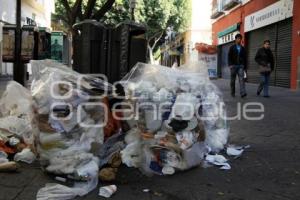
{"points": [[269, 170]]}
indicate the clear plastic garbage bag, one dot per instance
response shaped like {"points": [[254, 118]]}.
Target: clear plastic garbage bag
{"points": [[71, 116], [175, 109], [17, 114]]}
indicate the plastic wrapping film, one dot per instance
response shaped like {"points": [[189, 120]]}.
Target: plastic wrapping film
{"points": [[70, 110], [17, 116], [177, 116]]}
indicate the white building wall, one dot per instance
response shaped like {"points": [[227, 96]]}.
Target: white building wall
{"points": [[42, 18], [28, 11], [8, 15], [50, 7], [201, 27], [8, 11]]}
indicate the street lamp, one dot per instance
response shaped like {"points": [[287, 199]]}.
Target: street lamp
{"points": [[132, 6], [19, 67]]}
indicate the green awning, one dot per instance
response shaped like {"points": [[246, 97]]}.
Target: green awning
{"points": [[57, 33], [44, 29], [229, 30]]}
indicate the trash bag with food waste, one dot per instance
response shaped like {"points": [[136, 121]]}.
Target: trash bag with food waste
{"points": [[18, 127], [176, 117], [71, 109]]}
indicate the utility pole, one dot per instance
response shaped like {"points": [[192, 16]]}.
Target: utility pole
{"points": [[132, 6], [19, 67]]}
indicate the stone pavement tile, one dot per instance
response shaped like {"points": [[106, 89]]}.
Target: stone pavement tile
{"points": [[23, 184], [246, 180], [37, 183]]}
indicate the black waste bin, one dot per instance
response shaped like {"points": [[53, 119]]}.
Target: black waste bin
{"points": [[90, 47], [110, 51], [127, 46]]}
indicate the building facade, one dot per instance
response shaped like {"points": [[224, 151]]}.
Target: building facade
{"points": [[174, 50], [257, 20], [200, 31], [33, 12]]}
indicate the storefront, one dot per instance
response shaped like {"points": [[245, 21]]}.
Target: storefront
{"points": [[272, 23], [225, 40], [278, 21]]}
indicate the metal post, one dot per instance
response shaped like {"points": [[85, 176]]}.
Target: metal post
{"points": [[132, 14], [19, 68], [1, 27], [132, 5]]}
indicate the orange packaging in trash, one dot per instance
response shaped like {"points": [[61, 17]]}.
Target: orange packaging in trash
{"points": [[113, 125], [6, 149]]}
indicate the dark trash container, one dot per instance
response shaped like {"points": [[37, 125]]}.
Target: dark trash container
{"points": [[128, 46], [89, 47], [108, 50]]}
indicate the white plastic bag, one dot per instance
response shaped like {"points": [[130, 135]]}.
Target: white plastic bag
{"points": [[61, 192], [16, 112], [16, 100], [3, 157], [57, 192], [26, 156]]}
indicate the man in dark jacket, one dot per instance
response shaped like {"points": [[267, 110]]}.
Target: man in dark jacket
{"points": [[237, 63], [265, 59]]}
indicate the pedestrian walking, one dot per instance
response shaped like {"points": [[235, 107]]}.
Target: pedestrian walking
{"points": [[237, 63], [265, 59]]}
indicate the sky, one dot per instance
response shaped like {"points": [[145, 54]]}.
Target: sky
{"points": [[201, 22]]}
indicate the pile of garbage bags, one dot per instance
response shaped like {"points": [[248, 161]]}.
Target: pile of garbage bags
{"points": [[71, 112], [176, 117], [81, 128]]}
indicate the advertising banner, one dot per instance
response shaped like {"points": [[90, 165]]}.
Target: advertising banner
{"points": [[8, 45], [208, 55], [211, 61], [27, 45], [57, 41], [274, 13]]}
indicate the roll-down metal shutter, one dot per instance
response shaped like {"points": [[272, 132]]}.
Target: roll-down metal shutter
{"points": [[254, 42], [280, 35], [284, 54]]}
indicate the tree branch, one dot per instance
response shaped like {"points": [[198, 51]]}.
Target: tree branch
{"points": [[156, 41], [76, 10], [106, 7], [156, 34], [156, 37], [68, 9], [61, 17], [89, 9]]}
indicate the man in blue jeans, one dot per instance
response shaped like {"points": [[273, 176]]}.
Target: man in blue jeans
{"points": [[265, 59], [237, 63]]}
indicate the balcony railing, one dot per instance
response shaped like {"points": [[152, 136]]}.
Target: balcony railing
{"points": [[228, 4], [216, 13]]}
